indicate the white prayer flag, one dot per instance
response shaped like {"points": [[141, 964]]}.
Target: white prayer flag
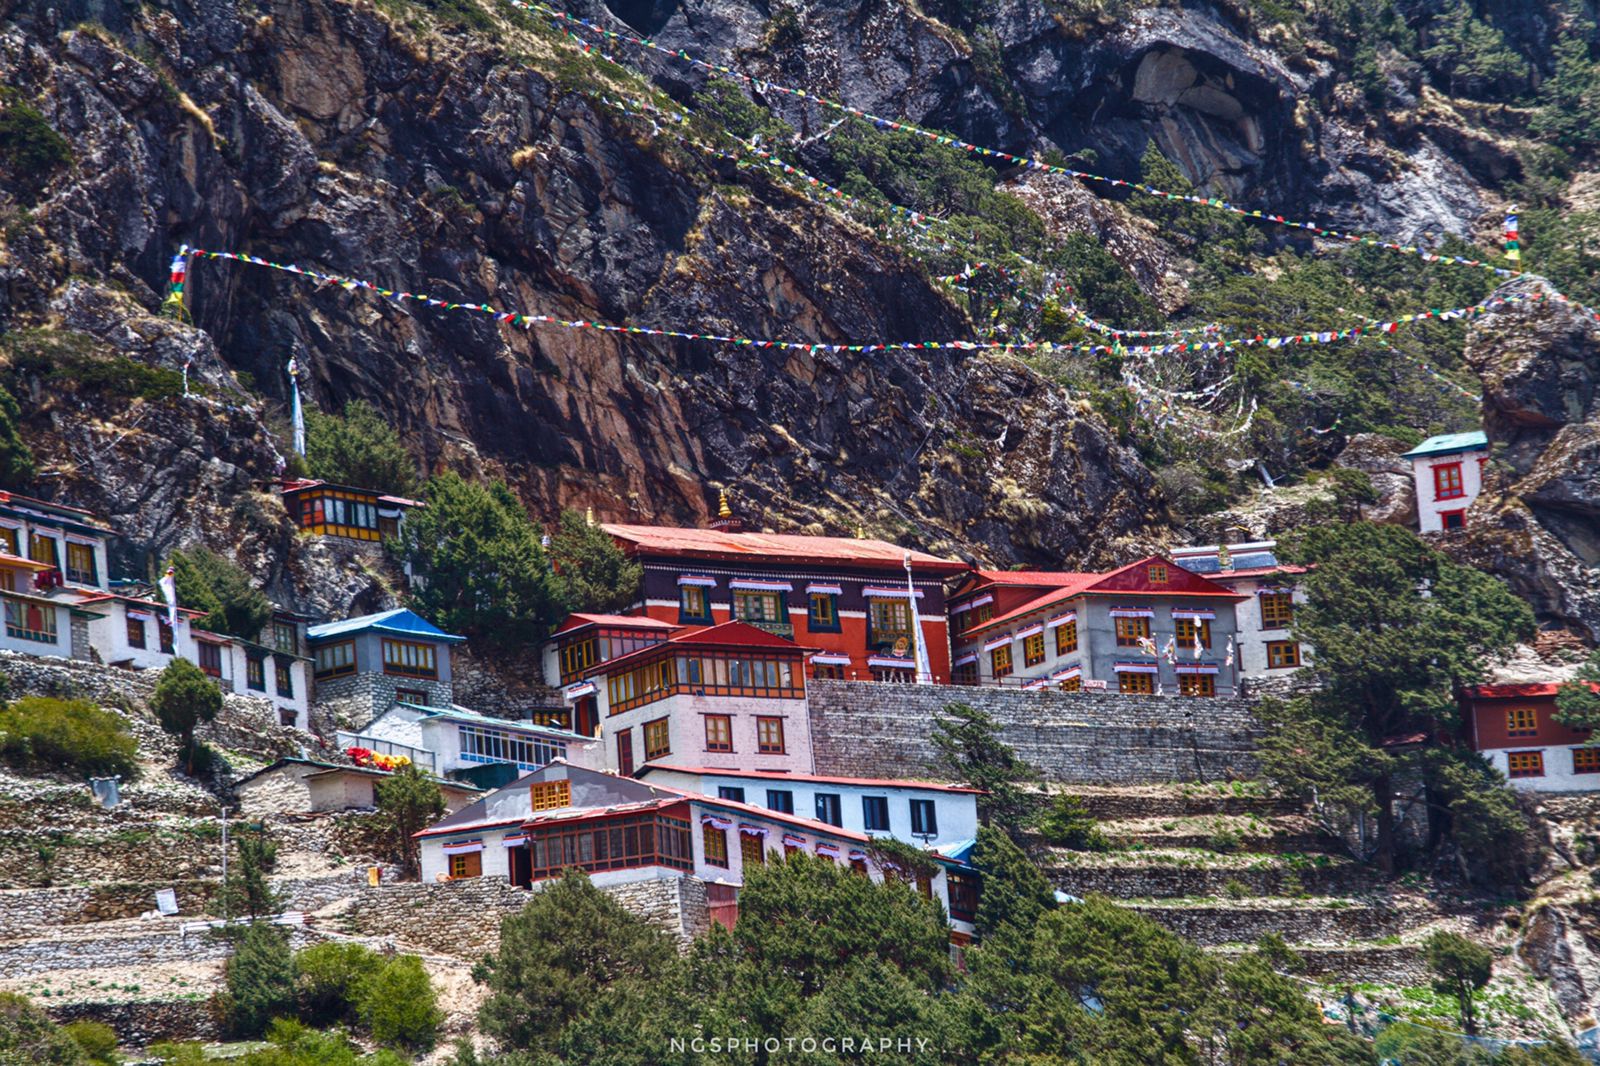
{"points": [[169, 590]]}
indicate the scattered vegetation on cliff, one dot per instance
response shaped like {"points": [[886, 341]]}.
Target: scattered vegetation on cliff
{"points": [[359, 448]]}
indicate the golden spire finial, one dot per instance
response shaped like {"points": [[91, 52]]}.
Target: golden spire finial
{"points": [[723, 510]]}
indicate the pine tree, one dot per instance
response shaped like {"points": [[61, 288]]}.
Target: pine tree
{"points": [[361, 449], [1460, 969], [408, 801], [183, 699], [16, 461], [215, 584], [260, 978], [593, 573], [970, 751], [247, 893]]}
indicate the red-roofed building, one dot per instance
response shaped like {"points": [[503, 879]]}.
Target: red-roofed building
{"points": [[849, 599], [729, 695], [582, 642], [50, 555], [1132, 630], [1514, 727], [343, 510]]}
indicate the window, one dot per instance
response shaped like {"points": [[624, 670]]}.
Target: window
{"points": [[1522, 722], [255, 672], [757, 606], [780, 800], [30, 621], [889, 621], [1000, 662], [1525, 764], [719, 732], [1067, 637], [824, 614], [418, 698], [42, 549], [8, 540], [80, 564], [963, 889], [980, 614], [924, 820], [828, 809], [693, 606], [210, 656], [1197, 684], [625, 753], [1186, 629], [875, 813], [358, 516], [640, 685], [1586, 760], [1281, 653], [1033, 650], [730, 792], [1072, 684], [1453, 521], [483, 744], [135, 632], [769, 736], [965, 674], [827, 671], [578, 656], [610, 844], [1447, 482], [468, 865], [550, 795], [895, 675], [715, 842], [657, 738], [1157, 573], [1277, 610], [283, 678], [336, 660], [165, 632], [409, 659], [1129, 630], [1137, 684], [752, 849], [286, 637], [791, 849]]}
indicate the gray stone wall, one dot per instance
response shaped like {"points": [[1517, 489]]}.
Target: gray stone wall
{"points": [[866, 729], [1173, 882], [462, 918], [142, 1023], [152, 942], [356, 699], [80, 639], [1297, 922]]}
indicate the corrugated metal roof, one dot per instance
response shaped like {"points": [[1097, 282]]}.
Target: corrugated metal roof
{"points": [[1449, 442], [400, 621], [872, 782], [713, 543]]}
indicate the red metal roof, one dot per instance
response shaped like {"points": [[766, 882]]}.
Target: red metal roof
{"points": [[293, 486], [733, 635], [872, 782], [1521, 691], [1122, 582], [785, 547], [628, 621], [1041, 578], [157, 605], [7, 559]]}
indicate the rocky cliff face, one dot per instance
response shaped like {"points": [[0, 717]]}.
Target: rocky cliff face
{"points": [[334, 136]]}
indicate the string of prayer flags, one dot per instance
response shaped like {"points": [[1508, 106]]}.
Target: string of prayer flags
{"points": [[1513, 245], [177, 275], [1026, 162]]}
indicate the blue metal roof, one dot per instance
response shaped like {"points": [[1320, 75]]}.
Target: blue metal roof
{"points": [[399, 621], [1449, 442]]}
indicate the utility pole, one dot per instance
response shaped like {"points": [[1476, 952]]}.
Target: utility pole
{"points": [[224, 865]]}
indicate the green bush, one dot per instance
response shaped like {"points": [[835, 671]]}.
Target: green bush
{"points": [[47, 733], [31, 150], [359, 448], [16, 460], [399, 1007], [98, 1041], [212, 583], [260, 977], [329, 980], [1068, 824], [185, 697], [27, 1035]]}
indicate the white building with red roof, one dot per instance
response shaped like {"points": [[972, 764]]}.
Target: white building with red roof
{"points": [[1265, 613], [853, 600], [50, 556], [1148, 628]]}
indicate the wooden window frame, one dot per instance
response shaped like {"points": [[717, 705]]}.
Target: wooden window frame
{"points": [[766, 727], [1183, 632], [136, 626], [965, 674], [624, 842], [785, 807], [8, 542], [1278, 648], [1277, 609], [167, 639], [690, 596], [1459, 514], [1072, 684], [1197, 684], [1586, 760], [925, 823], [1129, 630], [1532, 764], [470, 865], [31, 621], [1033, 649], [1000, 664], [550, 795], [1136, 684], [575, 657], [768, 600], [338, 669], [1156, 574], [1453, 486], [871, 805], [826, 621], [719, 732], [894, 609], [1522, 721], [77, 574], [827, 671], [657, 730], [834, 802], [396, 666], [255, 673], [714, 845], [752, 849], [283, 678], [1067, 637], [208, 657]]}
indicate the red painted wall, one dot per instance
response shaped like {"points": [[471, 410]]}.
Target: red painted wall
{"points": [[1489, 720]]}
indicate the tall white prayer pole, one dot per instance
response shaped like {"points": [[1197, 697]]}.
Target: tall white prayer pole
{"points": [[924, 670], [295, 413]]}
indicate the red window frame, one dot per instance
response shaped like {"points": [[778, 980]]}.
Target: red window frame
{"points": [[1460, 514], [1448, 482], [1532, 764]]}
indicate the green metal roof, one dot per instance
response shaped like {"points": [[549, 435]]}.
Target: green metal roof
{"points": [[1449, 442]]}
